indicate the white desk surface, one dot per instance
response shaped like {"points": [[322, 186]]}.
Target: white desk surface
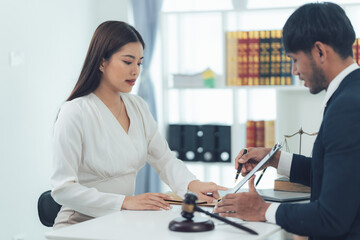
{"points": [[153, 225]]}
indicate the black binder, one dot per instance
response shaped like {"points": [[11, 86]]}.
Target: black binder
{"points": [[175, 139], [223, 139], [190, 143], [208, 143]]}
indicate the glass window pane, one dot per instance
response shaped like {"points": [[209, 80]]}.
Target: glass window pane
{"points": [[201, 106], [194, 42], [262, 104], [196, 5], [287, 3]]}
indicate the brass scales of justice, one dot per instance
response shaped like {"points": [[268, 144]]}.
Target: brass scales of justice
{"points": [[300, 132]]}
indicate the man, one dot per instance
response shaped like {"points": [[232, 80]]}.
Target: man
{"points": [[318, 37]]}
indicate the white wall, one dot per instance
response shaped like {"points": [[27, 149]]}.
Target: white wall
{"points": [[50, 38]]}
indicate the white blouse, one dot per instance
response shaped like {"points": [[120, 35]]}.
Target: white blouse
{"points": [[96, 161]]}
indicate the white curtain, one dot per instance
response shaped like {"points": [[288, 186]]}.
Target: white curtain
{"points": [[146, 17]]}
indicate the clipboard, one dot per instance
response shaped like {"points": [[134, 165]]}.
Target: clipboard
{"points": [[177, 200], [235, 189]]}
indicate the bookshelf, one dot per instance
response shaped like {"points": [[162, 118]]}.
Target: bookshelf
{"points": [[194, 41]]}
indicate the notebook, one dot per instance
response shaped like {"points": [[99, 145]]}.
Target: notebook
{"points": [[282, 196]]}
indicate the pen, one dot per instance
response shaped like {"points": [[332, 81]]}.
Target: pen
{"points": [[240, 165], [262, 173], [257, 182]]}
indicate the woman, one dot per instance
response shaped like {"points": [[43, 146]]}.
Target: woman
{"points": [[104, 135]]}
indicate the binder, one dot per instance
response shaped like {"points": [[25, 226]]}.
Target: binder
{"points": [[190, 143], [175, 139], [208, 143], [223, 139]]}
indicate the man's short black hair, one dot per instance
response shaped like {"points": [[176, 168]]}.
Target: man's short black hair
{"points": [[325, 22]]}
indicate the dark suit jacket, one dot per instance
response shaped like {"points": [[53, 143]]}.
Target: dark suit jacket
{"points": [[333, 172]]}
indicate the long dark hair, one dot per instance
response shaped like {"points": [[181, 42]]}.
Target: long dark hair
{"points": [[109, 37]]}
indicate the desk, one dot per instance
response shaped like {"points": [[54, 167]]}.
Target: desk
{"points": [[151, 225]]}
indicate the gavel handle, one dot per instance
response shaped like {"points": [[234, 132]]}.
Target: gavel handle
{"points": [[226, 221]]}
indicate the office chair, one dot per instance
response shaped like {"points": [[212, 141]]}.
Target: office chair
{"points": [[47, 209]]}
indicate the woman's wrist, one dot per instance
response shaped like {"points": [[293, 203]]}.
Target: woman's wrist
{"points": [[191, 184]]}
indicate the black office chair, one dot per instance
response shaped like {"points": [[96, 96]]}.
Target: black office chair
{"points": [[47, 209]]}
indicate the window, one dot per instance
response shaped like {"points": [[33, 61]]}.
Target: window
{"points": [[251, 4], [196, 5]]}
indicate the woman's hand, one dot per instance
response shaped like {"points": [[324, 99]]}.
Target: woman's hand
{"points": [[146, 201], [206, 191]]}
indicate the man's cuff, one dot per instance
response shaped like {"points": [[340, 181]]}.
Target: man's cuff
{"points": [[285, 163], [270, 213]]}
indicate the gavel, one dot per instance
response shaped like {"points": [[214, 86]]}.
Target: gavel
{"points": [[188, 208]]}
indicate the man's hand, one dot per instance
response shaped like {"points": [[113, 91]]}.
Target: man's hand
{"points": [[253, 157], [249, 206]]}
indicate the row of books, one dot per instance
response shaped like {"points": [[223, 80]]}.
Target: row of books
{"points": [[257, 58], [260, 133], [356, 51]]}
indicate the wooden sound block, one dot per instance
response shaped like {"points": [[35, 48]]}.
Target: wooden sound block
{"points": [[197, 224]]}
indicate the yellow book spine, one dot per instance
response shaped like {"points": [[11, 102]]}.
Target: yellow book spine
{"points": [[231, 58]]}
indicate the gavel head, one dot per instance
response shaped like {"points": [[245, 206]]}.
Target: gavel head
{"points": [[188, 206]]}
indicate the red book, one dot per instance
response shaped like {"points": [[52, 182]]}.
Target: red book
{"points": [[260, 133], [243, 53], [250, 134]]}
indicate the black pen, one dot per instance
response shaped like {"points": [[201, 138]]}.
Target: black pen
{"points": [[257, 182], [240, 165]]}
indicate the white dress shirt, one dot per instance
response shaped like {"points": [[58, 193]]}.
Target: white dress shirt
{"points": [[286, 158], [96, 161]]}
